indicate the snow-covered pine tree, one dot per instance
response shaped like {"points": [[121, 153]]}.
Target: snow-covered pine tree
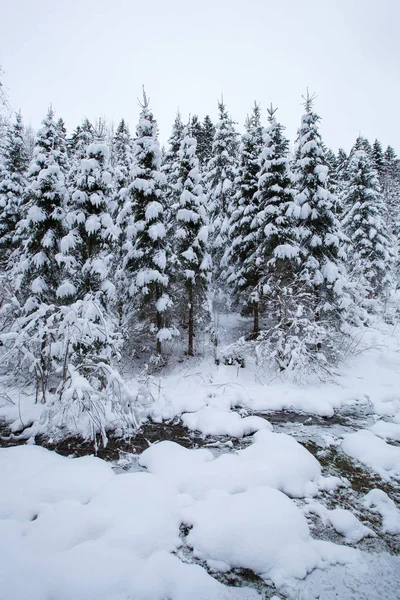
{"points": [[371, 256], [390, 181], [77, 144], [378, 160], [362, 143], [220, 185], [170, 164], [80, 139], [333, 184], [121, 158], [196, 130], [122, 162], [12, 187], [93, 231], [38, 262], [193, 270], [146, 259], [277, 246], [204, 150], [61, 146], [323, 275], [40, 231], [241, 256]]}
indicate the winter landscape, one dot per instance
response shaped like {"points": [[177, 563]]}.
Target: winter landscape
{"points": [[199, 353]]}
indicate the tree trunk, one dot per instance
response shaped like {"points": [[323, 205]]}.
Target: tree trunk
{"points": [[191, 319], [256, 327], [159, 326]]}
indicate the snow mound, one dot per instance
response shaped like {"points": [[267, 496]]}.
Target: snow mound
{"points": [[273, 459], [214, 421], [387, 431], [274, 541], [71, 528], [373, 452], [342, 520], [379, 501]]}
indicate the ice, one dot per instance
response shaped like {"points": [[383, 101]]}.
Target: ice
{"points": [[214, 421]]}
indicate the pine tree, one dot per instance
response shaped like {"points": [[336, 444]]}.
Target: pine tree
{"points": [[170, 164], [122, 158], [322, 272], [371, 256], [40, 232], [220, 184], [62, 146], [244, 226], [146, 261], [12, 188], [80, 139], [196, 130], [378, 160], [93, 232], [39, 268], [206, 141], [191, 231], [391, 189], [278, 250]]}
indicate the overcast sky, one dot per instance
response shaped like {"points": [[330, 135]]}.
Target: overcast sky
{"points": [[91, 57]]}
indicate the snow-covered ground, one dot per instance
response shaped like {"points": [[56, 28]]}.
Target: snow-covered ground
{"points": [[299, 504]]}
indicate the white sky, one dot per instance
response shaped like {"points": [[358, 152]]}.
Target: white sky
{"points": [[90, 58]]}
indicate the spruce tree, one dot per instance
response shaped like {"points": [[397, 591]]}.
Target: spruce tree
{"points": [[371, 255], [196, 130], [278, 250], [170, 163], [40, 232], [193, 269], [122, 158], [146, 261], [62, 146], [12, 188], [322, 273], [220, 185], [378, 160], [206, 141], [391, 189], [39, 266], [244, 225], [90, 241]]}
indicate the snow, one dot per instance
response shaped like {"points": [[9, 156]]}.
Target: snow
{"points": [[386, 430], [214, 421], [275, 460], [378, 501], [374, 452], [342, 520], [73, 529], [274, 542]]}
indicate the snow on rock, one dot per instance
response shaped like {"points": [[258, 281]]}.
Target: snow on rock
{"points": [[379, 501], [374, 452], [387, 431], [260, 529], [214, 421], [342, 520], [273, 459]]}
